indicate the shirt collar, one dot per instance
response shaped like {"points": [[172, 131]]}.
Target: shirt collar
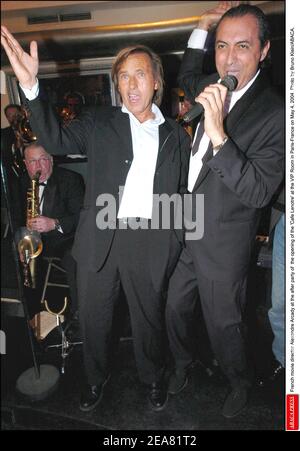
{"points": [[156, 121], [44, 183]]}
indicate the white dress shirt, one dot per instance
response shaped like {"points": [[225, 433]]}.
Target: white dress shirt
{"points": [[41, 196], [137, 199], [32, 93]]}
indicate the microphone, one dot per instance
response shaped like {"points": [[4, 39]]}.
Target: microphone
{"points": [[230, 82]]}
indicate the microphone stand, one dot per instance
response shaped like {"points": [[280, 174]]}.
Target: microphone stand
{"points": [[39, 381]]}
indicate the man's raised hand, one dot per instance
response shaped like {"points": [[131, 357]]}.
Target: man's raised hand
{"points": [[211, 17], [25, 66]]}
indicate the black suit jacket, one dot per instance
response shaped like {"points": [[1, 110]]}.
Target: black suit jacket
{"points": [[103, 133], [12, 171], [241, 178], [63, 199], [7, 140]]}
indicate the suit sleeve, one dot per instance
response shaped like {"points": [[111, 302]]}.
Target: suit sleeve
{"points": [[56, 139], [191, 77], [254, 175]]}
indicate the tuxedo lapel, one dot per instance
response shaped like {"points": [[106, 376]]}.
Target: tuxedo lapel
{"points": [[242, 106], [166, 142], [49, 197], [204, 170], [120, 123]]}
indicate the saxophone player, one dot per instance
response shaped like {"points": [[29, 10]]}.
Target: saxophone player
{"points": [[37, 160], [60, 194]]}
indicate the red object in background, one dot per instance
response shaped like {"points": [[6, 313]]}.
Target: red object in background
{"points": [[292, 412]]}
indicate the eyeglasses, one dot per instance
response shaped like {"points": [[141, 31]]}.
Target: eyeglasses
{"points": [[42, 161]]}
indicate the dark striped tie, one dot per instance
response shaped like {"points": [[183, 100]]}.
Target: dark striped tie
{"points": [[209, 153], [227, 103]]}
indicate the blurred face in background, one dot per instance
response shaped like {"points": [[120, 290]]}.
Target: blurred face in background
{"points": [[37, 159], [74, 105], [136, 85], [12, 114]]}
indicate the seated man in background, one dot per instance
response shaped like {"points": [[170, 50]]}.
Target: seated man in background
{"points": [[61, 194]]}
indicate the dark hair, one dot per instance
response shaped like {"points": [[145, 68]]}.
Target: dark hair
{"points": [[262, 22], [156, 67], [12, 105]]}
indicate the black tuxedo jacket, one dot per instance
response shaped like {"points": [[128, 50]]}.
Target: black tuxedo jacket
{"points": [[103, 133], [241, 178], [63, 199], [7, 140]]}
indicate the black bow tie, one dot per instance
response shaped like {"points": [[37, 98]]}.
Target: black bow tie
{"points": [[42, 184]]}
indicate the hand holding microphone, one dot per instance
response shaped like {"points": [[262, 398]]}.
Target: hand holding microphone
{"points": [[230, 82], [212, 101]]}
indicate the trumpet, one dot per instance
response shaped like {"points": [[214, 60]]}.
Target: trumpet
{"points": [[29, 241]]}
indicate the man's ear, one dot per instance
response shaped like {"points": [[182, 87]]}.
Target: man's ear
{"points": [[264, 51]]}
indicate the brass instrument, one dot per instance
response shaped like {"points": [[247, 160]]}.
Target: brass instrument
{"points": [[24, 131], [23, 137], [29, 241]]}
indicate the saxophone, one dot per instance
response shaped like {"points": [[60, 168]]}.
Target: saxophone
{"points": [[33, 203], [29, 241]]}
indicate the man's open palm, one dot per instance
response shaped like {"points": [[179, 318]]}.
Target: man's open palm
{"points": [[25, 66]]}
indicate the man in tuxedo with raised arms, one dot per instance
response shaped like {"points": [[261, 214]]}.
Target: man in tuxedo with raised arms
{"points": [[237, 164], [133, 147]]}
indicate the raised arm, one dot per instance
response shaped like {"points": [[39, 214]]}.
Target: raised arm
{"points": [[43, 120]]}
